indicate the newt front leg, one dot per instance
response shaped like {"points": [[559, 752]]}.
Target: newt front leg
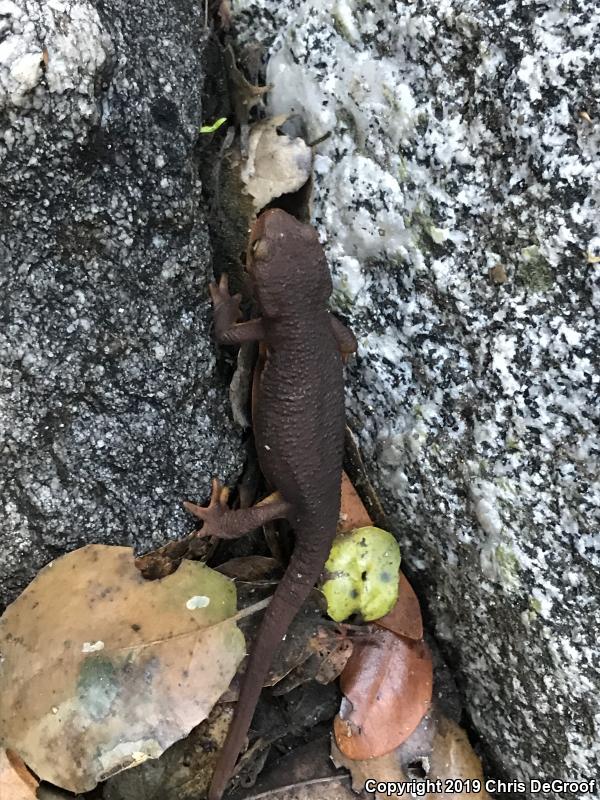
{"points": [[226, 310]]}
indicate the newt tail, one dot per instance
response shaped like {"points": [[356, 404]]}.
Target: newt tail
{"points": [[289, 597]]}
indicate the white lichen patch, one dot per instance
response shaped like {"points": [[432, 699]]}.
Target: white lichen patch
{"points": [[463, 142], [129, 754], [92, 647], [197, 601]]}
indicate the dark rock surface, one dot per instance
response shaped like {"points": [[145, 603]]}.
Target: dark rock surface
{"points": [[108, 412]]}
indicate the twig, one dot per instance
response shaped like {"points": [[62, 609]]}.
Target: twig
{"points": [[298, 785]]}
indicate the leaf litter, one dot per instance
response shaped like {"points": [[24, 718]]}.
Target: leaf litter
{"points": [[445, 759], [102, 670], [128, 667]]}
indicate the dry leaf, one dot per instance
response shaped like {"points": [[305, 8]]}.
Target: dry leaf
{"points": [[330, 653], [162, 562], [306, 765], [353, 514], [333, 652], [383, 769], [295, 648], [387, 685], [453, 759], [251, 568], [405, 617], [275, 164], [243, 94], [441, 751], [16, 782], [102, 669], [183, 772]]}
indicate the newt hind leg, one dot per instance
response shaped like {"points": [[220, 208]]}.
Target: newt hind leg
{"points": [[225, 523]]}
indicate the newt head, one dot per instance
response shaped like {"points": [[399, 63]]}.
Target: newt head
{"points": [[287, 265]]}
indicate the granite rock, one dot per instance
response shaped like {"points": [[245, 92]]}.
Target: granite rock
{"points": [[457, 197], [111, 408]]}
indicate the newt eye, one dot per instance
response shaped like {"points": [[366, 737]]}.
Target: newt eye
{"points": [[260, 249]]}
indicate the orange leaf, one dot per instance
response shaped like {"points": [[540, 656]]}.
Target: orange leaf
{"points": [[387, 683], [405, 617], [353, 514], [16, 782]]}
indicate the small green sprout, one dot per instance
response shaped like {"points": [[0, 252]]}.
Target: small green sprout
{"points": [[214, 127], [363, 569]]}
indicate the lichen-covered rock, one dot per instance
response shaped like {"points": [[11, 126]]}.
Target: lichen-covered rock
{"points": [[458, 199], [108, 413]]}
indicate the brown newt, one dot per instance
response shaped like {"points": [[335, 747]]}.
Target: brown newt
{"points": [[298, 426]]}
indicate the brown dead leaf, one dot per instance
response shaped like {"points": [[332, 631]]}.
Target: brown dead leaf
{"points": [[353, 514], [384, 768], [103, 669], [359, 476], [164, 561], [295, 649], [387, 685], [243, 94], [16, 782], [440, 750], [333, 651], [329, 654], [405, 617], [251, 568], [275, 164]]}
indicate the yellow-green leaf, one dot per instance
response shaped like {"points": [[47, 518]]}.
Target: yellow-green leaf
{"points": [[363, 568]]}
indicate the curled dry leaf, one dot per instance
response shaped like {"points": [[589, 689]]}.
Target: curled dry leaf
{"points": [[102, 669], [382, 769], [333, 652], [251, 568], [387, 685], [440, 751], [405, 617], [162, 562], [243, 94], [295, 649], [305, 765], [16, 782], [329, 653], [275, 164]]}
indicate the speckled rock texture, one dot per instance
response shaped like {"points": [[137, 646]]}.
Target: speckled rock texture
{"points": [[457, 196], [109, 413]]}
